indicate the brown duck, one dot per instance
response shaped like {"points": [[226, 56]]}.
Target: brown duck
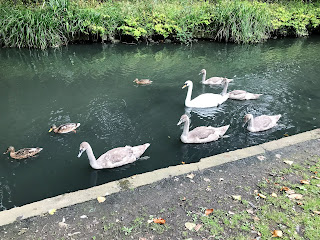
{"points": [[22, 153], [65, 128]]}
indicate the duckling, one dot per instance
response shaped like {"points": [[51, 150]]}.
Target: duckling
{"points": [[65, 128], [23, 153], [142, 81]]}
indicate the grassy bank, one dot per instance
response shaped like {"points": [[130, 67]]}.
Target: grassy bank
{"points": [[53, 23]]}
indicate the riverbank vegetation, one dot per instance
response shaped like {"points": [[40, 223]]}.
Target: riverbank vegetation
{"points": [[53, 23]]}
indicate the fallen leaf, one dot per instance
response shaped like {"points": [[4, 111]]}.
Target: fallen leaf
{"points": [[261, 195], [190, 225], [288, 162], [150, 220], [197, 227], [63, 225], [207, 179], [208, 211], [304, 181], [295, 196], [236, 197], [255, 218], [278, 156], [274, 195], [316, 212], [84, 216], [315, 177], [159, 220], [231, 213], [318, 185], [101, 199], [191, 175], [261, 158], [285, 189], [52, 211], [250, 210], [286, 135], [22, 231], [208, 189], [277, 233]]}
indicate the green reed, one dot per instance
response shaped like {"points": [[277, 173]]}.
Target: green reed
{"points": [[52, 23]]}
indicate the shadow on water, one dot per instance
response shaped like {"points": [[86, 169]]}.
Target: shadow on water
{"points": [[92, 84]]}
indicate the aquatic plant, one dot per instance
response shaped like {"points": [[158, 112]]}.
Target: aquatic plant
{"points": [[52, 23]]}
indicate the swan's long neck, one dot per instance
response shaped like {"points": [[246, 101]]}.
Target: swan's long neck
{"points": [[186, 127], [250, 123], [204, 77], [92, 158], [224, 91], [188, 97]]}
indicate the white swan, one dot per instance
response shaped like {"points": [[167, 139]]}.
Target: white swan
{"points": [[205, 100], [260, 123], [243, 95], [200, 134], [115, 157], [212, 80]]}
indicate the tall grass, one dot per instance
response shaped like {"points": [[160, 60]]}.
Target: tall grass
{"points": [[51, 23]]}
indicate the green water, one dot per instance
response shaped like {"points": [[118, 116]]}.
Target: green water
{"points": [[92, 84]]}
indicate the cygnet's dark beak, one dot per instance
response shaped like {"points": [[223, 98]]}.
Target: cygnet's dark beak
{"points": [[80, 152]]}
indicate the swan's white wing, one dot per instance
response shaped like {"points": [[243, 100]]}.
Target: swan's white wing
{"points": [[206, 100]]}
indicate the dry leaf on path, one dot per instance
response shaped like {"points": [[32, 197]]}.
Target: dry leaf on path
{"points": [[274, 195], [278, 156], [52, 211], [277, 233], [197, 227], [101, 199], [288, 162], [261, 158], [208, 211], [295, 196], [190, 225], [236, 197], [316, 212], [261, 195], [159, 220], [191, 175], [304, 181], [250, 210]]}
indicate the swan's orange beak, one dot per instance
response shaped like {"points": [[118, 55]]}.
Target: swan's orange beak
{"points": [[184, 86], [50, 130]]}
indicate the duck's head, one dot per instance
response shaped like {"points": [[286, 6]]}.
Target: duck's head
{"points": [[10, 149], [247, 118], [136, 80], [187, 84], [83, 147], [203, 71], [183, 119], [52, 127]]}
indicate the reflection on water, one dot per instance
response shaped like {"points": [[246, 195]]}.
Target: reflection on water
{"points": [[92, 84]]}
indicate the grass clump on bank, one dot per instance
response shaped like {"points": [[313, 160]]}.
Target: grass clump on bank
{"points": [[52, 23]]}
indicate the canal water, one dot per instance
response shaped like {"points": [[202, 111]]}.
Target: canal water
{"points": [[93, 85]]}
